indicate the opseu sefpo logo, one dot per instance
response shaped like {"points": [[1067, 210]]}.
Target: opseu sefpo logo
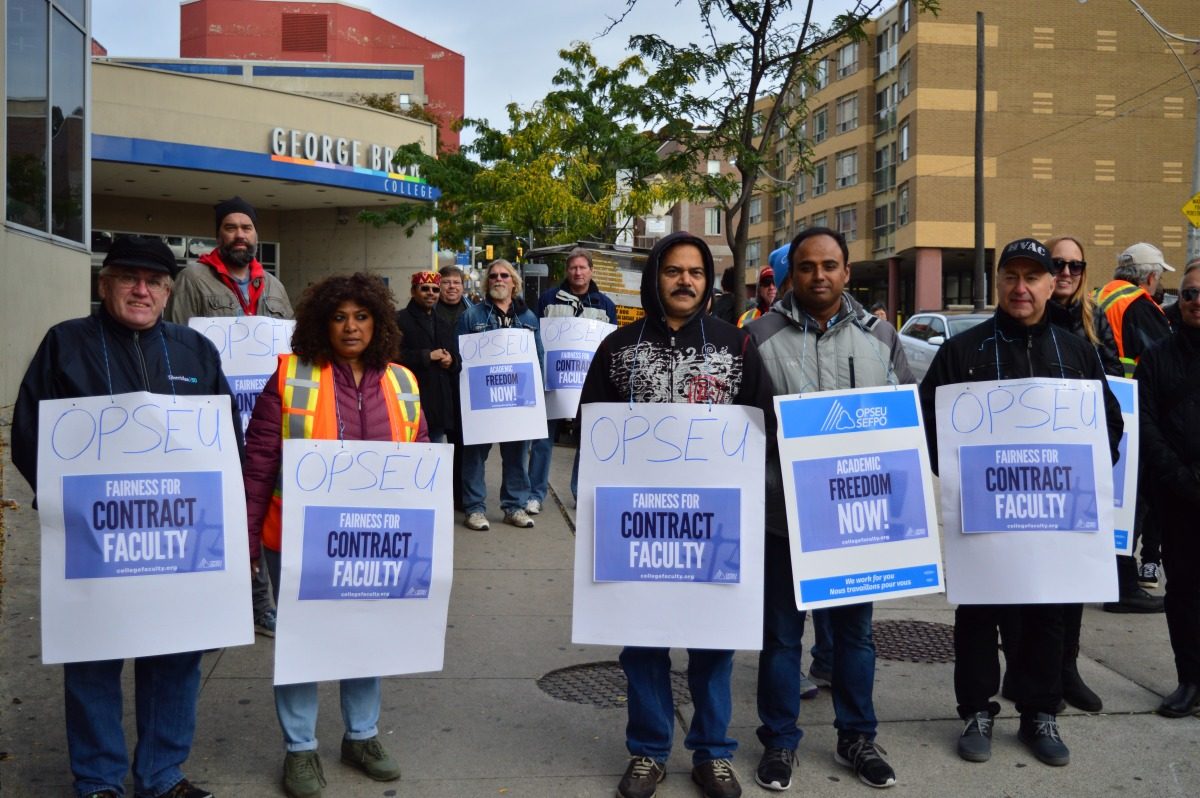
{"points": [[840, 419], [828, 415]]}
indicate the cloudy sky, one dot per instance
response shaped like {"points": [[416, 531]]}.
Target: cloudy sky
{"points": [[511, 47]]}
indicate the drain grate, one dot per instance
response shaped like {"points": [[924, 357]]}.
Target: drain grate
{"points": [[914, 641], [601, 684]]}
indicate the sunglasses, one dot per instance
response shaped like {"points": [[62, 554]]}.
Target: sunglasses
{"points": [[500, 276], [1076, 266], [1189, 294], [428, 289]]}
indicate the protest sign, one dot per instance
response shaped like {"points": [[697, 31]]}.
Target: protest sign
{"points": [[501, 386], [1125, 472], [249, 347], [143, 516], [1027, 492], [368, 545], [859, 497], [663, 528], [570, 344]]}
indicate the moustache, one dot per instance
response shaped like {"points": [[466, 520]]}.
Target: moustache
{"points": [[684, 292]]}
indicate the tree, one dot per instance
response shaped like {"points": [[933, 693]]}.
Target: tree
{"points": [[705, 95]]}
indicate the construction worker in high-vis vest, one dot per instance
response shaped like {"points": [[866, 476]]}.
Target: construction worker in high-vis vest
{"points": [[764, 297], [339, 383]]}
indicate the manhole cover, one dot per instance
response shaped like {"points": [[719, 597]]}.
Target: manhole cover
{"points": [[914, 641], [601, 684]]}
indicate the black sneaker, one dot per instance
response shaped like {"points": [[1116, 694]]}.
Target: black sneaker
{"points": [[185, 789], [774, 770], [975, 742], [1148, 574], [641, 778], [1136, 600], [717, 779], [865, 758], [1040, 734]]}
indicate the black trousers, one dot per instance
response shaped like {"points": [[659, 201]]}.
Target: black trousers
{"points": [[1036, 663], [1181, 562]]}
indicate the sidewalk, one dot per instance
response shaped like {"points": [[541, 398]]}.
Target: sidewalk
{"points": [[483, 727]]}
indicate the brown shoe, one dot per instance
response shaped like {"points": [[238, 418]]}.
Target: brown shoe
{"points": [[717, 779]]}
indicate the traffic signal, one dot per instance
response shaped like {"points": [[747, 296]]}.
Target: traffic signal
{"points": [[488, 252]]}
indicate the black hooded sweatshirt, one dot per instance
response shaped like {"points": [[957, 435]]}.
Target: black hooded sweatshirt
{"points": [[705, 360]]}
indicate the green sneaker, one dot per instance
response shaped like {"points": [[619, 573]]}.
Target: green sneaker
{"points": [[369, 757], [302, 774]]}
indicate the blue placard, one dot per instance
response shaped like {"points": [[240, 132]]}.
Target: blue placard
{"points": [[366, 553], [143, 524], [863, 412], [503, 385], [246, 390], [1119, 472], [566, 369], [1121, 539], [869, 584], [1028, 487], [1124, 391], [668, 534], [859, 500]]}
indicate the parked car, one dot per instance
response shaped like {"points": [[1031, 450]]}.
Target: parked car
{"points": [[924, 332]]}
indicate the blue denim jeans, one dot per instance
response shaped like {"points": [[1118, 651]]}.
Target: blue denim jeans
{"points": [[779, 663], [540, 452], [822, 649], [652, 709], [165, 688], [514, 476], [296, 706]]}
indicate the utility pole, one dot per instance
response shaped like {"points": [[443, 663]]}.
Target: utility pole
{"points": [[980, 292]]}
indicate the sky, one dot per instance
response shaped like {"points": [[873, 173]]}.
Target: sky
{"points": [[511, 47]]}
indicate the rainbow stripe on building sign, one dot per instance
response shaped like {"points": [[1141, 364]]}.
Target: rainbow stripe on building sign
{"points": [[395, 183]]}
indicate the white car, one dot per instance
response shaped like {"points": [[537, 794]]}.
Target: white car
{"points": [[924, 332]]}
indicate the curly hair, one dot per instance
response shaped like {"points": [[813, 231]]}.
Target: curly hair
{"points": [[317, 305]]}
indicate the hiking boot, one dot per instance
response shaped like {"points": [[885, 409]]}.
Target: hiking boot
{"points": [[641, 778], [1040, 734], [533, 507], [185, 789], [808, 688], [370, 757], [1075, 692], [1148, 574], [716, 779], [975, 742], [865, 758], [1136, 600], [774, 771], [518, 517], [302, 774], [477, 521], [265, 624]]}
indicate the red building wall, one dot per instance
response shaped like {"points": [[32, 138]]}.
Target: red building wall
{"points": [[256, 30]]}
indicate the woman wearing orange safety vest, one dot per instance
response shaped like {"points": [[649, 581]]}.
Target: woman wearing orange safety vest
{"points": [[338, 384]]}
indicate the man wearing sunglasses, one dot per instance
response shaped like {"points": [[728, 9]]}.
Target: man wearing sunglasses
{"points": [[763, 299], [429, 349], [1168, 378]]}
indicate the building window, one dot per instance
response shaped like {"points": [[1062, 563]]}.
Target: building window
{"points": [[800, 187], [847, 60], [404, 100], [902, 141], [902, 78], [885, 167], [885, 225], [780, 206], [755, 210], [714, 167], [820, 76], [885, 50], [847, 222], [885, 109], [712, 221], [46, 175], [820, 219], [847, 113], [902, 205], [905, 13], [847, 168], [818, 179], [753, 253], [820, 120]]}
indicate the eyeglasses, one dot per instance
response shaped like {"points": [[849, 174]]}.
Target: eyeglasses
{"points": [[1189, 294], [1076, 266], [428, 289], [500, 276], [126, 281]]}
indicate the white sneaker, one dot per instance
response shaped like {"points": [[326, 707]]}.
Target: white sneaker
{"points": [[478, 522], [533, 506], [518, 518]]}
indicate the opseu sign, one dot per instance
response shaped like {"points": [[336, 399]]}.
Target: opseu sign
{"points": [[847, 413]]}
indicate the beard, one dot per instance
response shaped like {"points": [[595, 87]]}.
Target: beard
{"points": [[237, 257], [499, 291]]}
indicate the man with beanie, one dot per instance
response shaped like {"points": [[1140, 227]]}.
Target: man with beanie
{"points": [[229, 281], [123, 347], [429, 349]]}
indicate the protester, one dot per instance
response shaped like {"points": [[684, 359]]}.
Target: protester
{"points": [[339, 383], [451, 304], [1168, 378], [124, 346], [429, 349], [805, 342], [1018, 343], [503, 308], [763, 298], [727, 304]]}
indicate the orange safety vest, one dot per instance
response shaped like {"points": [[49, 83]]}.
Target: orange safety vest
{"points": [[749, 316], [310, 411], [1113, 300]]}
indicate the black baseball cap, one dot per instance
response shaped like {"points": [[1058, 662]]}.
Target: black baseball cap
{"points": [[142, 252], [1026, 249]]}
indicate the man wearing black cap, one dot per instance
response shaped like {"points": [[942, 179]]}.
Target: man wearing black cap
{"points": [[124, 346], [229, 281], [1019, 343]]}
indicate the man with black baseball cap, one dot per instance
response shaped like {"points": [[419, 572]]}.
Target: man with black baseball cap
{"points": [[124, 346], [1018, 343]]}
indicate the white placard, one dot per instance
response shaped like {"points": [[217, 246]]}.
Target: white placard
{"points": [[143, 516], [1125, 472], [1027, 505], [250, 347], [367, 559], [501, 387], [856, 480], [671, 476], [570, 344]]}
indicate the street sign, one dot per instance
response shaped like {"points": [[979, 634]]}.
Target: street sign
{"points": [[536, 270], [1191, 209]]}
